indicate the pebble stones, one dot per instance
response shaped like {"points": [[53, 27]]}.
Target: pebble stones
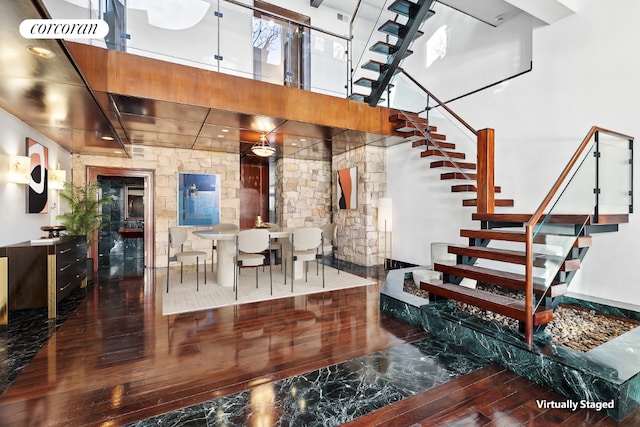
{"points": [[575, 328]]}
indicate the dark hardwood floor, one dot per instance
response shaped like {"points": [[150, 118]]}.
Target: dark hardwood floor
{"points": [[117, 360]]}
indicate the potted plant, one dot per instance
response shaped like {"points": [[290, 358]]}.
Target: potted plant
{"points": [[84, 217]]}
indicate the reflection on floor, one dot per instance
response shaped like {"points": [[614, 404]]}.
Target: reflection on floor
{"points": [[327, 396], [27, 332], [335, 394]]}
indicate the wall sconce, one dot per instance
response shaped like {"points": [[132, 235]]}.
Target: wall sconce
{"points": [[57, 178], [385, 218], [263, 148], [19, 169]]}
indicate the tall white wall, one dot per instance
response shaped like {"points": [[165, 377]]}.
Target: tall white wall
{"points": [[585, 73], [459, 54], [15, 223]]}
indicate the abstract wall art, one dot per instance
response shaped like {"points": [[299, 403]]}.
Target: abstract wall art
{"points": [[198, 199], [347, 188], [37, 196]]}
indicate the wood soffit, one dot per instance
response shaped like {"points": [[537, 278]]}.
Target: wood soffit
{"points": [[87, 92]]}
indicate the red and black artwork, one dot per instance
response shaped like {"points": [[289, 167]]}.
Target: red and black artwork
{"points": [[37, 200]]}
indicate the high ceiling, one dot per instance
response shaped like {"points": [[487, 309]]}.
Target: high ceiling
{"points": [[51, 96]]}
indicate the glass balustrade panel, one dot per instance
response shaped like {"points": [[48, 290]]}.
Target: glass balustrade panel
{"points": [[186, 36], [615, 175], [556, 234], [238, 33], [78, 9], [329, 57]]}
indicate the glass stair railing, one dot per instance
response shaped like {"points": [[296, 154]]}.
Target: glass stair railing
{"points": [[597, 182]]}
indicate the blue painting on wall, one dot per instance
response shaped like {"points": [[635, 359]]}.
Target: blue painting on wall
{"points": [[198, 199]]}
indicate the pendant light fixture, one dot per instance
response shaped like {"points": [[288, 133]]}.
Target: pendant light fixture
{"points": [[262, 147]]}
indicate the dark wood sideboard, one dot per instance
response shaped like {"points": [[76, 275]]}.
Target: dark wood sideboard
{"points": [[42, 274]]}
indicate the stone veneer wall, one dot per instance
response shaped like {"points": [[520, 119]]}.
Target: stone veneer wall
{"points": [[358, 237], [303, 192], [166, 163]]}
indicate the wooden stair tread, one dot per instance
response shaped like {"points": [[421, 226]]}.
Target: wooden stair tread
{"points": [[497, 202], [500, 304], [504, 255], [502, 278], [407, 115], [518, 236], [439, 144], [435, 136], [450, 164], [410, 127], [458, 175], [441, 153], [555, 219], [462, 188], [511, 256]]}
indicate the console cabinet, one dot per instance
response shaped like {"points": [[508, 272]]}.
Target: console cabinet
{"points": [[42, 274]]}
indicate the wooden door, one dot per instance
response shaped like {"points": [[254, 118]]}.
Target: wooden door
{"points": [[254, 190]]}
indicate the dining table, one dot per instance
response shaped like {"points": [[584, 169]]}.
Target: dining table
{"points": [[226, 247]]}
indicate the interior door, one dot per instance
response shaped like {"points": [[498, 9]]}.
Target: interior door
{"points": [[254, 190]]}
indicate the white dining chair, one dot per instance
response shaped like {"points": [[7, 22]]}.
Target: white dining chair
{"points": [[177, 237], [275, 246], [250, 248], [305, 245], [330, 242], [222, 228]]}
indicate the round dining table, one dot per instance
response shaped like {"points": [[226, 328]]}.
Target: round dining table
{"points": [[226, 244]]}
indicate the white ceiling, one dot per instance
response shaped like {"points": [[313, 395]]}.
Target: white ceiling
{"points": [[484, 10], [493, 12]]}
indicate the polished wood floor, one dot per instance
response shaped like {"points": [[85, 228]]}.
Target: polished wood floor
{"points": [[117, 360]]}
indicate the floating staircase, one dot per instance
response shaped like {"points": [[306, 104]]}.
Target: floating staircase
{"points": [[529, 258], [399, 32], [574, 231], [435, 145]]}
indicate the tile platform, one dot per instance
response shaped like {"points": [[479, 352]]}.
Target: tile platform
{"points": [[608, 372]]}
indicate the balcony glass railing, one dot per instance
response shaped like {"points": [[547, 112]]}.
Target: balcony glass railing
{"points": [[225, 36], [597, 181]]}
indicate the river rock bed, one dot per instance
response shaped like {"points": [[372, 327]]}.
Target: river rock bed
{"points": [[572, 327]]}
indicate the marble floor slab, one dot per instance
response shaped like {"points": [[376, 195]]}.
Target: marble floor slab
{"points": [[27, 332], [335, 394]]}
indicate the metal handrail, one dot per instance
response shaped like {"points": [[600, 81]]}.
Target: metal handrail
{"points": [[538, 214], [435, 98]]}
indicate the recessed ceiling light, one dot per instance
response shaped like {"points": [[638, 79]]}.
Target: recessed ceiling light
{"points": [[41, 52], [303, 140], [220, 136], [225, 130], [106, 138], [294, 144]]}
